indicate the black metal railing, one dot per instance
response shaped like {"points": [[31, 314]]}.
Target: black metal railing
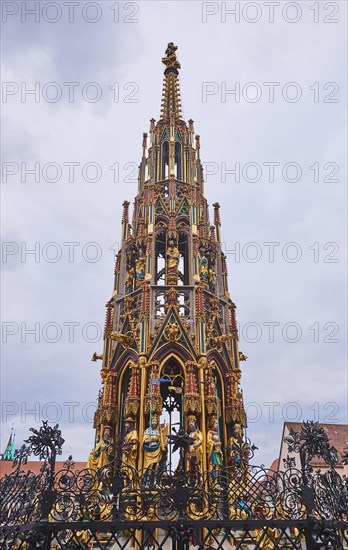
{"points": [[241, 506]]}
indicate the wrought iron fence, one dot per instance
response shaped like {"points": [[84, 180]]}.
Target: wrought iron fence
{"points": [[241, 506]]}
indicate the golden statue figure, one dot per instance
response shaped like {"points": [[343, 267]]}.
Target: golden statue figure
{"points": [[212, 279], [194, 455], [101, 453], [129, 280], [235, 447], [203, 268], [172, 256], [155, 448], [130, 444], [170, 59], [172, 332], [214, 448], [140, 267]]}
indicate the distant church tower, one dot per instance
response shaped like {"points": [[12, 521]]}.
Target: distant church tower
{"points": [[170, 341]]}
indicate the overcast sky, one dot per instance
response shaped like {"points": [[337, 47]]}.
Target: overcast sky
{"points": [[110, 53]]}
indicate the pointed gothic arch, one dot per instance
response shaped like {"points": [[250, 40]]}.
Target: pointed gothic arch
{"points": [[118, 363], [221, 391], [172, 393], [160, 256], [216, 357], [165, 160], [184, 261], [162, 353], [178, 161]]}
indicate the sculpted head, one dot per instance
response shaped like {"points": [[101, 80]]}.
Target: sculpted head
{"points": [[107, 434], [213, 423], [128, 424], [237, 431], [192, 425]]}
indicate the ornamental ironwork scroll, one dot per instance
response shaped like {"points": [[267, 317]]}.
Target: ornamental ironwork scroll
{"points": [[117, 506]]}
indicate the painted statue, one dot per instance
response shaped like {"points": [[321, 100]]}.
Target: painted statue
{"points": [[214, 448], [212, 279], [140, 266], [129, 280], [155, 448], [101, 454], [235, 447], [194, 455], [172, 256], [130, 444], [203, 268]]}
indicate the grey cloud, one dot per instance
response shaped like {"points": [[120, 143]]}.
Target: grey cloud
{"points": [[304, 212]]}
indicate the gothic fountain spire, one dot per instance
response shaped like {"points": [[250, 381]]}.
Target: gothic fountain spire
{"points": [[171, 339]]}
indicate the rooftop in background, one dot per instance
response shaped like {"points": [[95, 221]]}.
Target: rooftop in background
{"points": [[338, 437], [34, 466]]}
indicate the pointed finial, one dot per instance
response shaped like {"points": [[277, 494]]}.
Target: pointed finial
{"points": [[170, 60], [171, 104]]}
